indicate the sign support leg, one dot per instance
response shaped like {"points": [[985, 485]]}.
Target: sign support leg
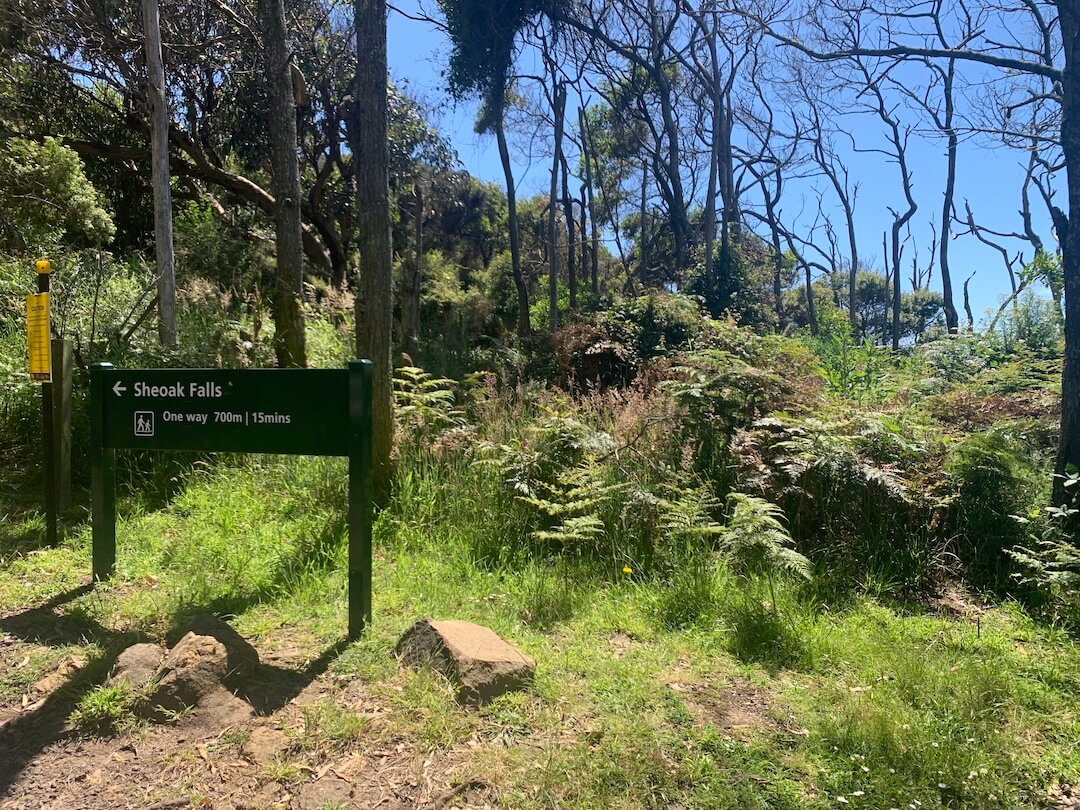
{"points": [[48, 451], [360, 503], [102, 479]]}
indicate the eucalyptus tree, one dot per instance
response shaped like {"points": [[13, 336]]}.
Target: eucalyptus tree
{"points": [[1029, 49], [484, 39], [639, 47], [159, 145], [289, 343], [374, 303]]}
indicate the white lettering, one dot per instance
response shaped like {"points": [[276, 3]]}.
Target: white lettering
{"points": [[199, 390]]}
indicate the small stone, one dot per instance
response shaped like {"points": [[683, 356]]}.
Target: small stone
{"points": [[243, 659], [477, 661], [137, 665], [195, 667]]}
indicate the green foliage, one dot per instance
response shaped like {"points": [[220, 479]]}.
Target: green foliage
{"points": [[844, 486], [654, 324], [424, 403], [46, 200], [736, 283], [949, 360], [483, 42], [1049, 559], [1032, 324], [853, 369], [755, 541], [104, 710], [997, 475]]}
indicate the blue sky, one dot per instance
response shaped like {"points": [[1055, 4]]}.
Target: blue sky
{"points": [[988, 177]]}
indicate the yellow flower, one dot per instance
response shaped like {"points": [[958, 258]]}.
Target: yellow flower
{"points": [[626, 569]]}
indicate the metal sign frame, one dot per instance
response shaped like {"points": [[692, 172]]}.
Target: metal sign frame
{"points": [[335, 400]]}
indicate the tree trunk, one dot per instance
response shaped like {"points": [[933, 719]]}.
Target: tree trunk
{"points": [[643, 230], [714, 154], [586, 144], [952, 320], [159, 145], [553, 212], [289, 343], [1069, 447], [571, 235], [374, 305], [967, 303], [725, 168], [585, 262], [412, 280], [896, 286], [523, 326], [811, 309], [887, 291]]}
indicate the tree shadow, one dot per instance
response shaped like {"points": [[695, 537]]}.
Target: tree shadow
{"points": [[29, 733]]}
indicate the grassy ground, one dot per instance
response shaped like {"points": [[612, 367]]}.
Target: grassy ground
{"points": [[645, 696]]}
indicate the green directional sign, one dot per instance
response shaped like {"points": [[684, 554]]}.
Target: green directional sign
{"points": [[324, 412], [301, 411]]}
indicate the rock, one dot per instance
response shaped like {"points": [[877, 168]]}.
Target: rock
{"points": [[137, 665], [194, 668], [243, 658], [481, 665], [265, 744]]}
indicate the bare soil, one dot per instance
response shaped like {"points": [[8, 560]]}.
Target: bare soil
{"points": [[233, 751]]}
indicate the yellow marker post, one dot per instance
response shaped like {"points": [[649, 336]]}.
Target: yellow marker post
{"points": [[38, 341], [37, 337]]}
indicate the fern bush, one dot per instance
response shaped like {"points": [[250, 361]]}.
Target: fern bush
{"points": [[996, 474], [1049, 558], [854, 493]]}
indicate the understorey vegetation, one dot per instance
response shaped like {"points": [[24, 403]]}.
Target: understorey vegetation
{"points": [[855, 541]]}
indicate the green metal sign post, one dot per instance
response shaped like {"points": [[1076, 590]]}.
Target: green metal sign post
{"points": [[318, 412]]}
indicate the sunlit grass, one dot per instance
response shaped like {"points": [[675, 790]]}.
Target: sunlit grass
{"points": [[880, 706]]}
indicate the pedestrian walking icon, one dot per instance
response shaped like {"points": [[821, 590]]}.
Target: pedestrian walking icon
{"points": [[144, 423]]}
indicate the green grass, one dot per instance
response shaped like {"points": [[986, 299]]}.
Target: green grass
{"points": [[879, 705]]}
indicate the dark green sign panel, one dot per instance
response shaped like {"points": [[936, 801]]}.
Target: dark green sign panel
{"points": [[323, 412], [299, 411]]}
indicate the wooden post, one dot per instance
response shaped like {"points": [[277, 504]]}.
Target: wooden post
{"points": [[361, 511], [102, 479], [63, 360]]}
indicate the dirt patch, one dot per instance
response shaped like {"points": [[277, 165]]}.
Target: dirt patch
{"points": [[221, 755], [955, 602], [738, 708]]}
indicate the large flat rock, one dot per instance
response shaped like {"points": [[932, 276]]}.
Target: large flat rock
{"points": [[474, 658]]}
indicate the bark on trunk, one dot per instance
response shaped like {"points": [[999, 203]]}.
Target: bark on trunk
{"points": [[412, 281], [714, 154], [952, 320], [553, 211], [571, 235], [523, 327], [1069, 447], [967, 303], [159, 145], [643, 233], [586, 141], [374, 305], [289, 342]]}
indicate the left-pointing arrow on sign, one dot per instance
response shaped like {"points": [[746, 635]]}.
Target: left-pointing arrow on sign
{"points": [[119, 388]]}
